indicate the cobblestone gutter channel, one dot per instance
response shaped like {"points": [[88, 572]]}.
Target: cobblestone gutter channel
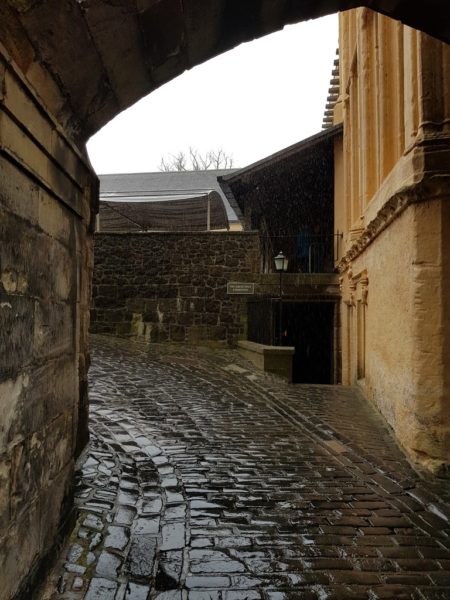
{"points": [[206, 480]]}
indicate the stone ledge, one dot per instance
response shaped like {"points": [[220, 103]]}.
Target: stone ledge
{"points": [[188, 232], [272, 359]]}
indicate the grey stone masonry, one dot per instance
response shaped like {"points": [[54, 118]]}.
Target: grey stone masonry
{"points": [[172, 286]]}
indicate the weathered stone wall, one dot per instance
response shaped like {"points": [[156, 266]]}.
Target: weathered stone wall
{"points": [[46, 193], [172, 286]]}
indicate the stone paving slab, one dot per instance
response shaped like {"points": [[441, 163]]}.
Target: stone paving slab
{"points": [[207, 480]]}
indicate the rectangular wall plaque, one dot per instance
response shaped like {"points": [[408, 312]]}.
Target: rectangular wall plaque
{"points": [[240, 287]]}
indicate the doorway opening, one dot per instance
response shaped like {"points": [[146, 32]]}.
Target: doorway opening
{"points": [[309, 327]]}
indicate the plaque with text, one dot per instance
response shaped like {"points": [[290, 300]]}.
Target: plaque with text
{"points": [[240, 287]]}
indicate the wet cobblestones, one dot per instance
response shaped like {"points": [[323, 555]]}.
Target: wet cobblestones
{"points": [[206, 480]]}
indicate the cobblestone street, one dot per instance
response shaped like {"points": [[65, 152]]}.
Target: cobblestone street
{"points": [[207, 480]]}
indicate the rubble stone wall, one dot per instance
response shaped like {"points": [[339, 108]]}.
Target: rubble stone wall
{"points": [[172, 286], [46, 193]]}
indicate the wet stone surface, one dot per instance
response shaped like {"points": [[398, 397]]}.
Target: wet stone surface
{"points": [[206, 480]]}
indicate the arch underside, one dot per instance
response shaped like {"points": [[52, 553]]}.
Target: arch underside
{"points": [[67, 67], [101, 56]]}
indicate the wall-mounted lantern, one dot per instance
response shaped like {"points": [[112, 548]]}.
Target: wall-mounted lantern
{"points": [[281, 265]]}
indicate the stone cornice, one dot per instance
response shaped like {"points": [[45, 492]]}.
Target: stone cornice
{"points": [[434, 187]]}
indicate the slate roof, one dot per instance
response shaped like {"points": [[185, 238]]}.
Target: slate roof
{"points": [[165, 187], [176, 200], [303, 146]]}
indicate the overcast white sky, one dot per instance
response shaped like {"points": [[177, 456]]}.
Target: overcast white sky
{"points": [[252, 101]]}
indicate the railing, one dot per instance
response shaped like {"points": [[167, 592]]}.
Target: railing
{"points": [[318, 259], [307, 253], [261, 315]]}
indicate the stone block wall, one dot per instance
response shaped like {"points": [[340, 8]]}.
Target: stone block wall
{"points": [[46, 192], [172, 287]]}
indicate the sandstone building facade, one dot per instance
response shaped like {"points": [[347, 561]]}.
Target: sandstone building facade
{"points": [[392, 203]]}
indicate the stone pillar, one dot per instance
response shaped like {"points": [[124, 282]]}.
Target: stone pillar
{"points": [[389, 94], [426, 422], [410, 86], [368, 92]]}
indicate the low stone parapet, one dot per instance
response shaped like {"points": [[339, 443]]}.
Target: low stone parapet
{"points": [[272, 359]]}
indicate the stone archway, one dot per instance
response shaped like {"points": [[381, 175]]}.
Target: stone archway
{"points": [[102, 56], [67, 68]]}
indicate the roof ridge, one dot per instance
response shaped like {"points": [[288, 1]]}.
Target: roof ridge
{"points": [[166, 172]]}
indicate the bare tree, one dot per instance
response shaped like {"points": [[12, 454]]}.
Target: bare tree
{"points": [[194, 161], [220, 159], [175, 162]]}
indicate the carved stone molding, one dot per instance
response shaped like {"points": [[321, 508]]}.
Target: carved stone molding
{"points": [[425, 191]]}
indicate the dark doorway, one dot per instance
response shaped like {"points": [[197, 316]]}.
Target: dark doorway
{"points": [[309, 327]]}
